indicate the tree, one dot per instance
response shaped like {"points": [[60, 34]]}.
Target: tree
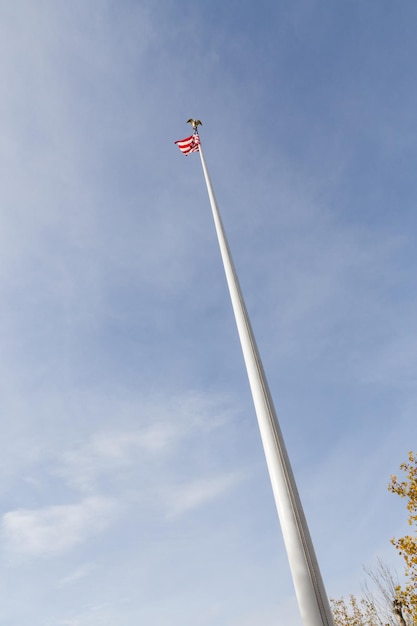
{"points": [[390, 609], [376, 607], [394, 605], [354, 612], [406, 597]]}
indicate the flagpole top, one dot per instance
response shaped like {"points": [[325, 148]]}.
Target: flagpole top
{"points": [[194, 124]]}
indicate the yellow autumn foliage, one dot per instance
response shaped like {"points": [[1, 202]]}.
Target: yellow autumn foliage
{"points": [[400, 606], [407, 545], [355, 612]]}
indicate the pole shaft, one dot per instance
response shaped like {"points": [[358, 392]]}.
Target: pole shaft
{"points": [[308, 583]]}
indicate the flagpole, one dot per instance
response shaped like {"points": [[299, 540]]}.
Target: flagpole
{"points": [[308, 583]]}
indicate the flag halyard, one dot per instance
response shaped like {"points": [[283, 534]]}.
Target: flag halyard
{"points": [[189, 144]]}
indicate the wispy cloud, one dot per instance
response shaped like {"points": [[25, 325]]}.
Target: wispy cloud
{"points": [[77, 574], [165, 427], [195, 494], [109, 452], [54, 530]]}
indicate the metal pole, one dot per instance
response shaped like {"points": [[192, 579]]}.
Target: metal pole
{"points": [[308, 583]]}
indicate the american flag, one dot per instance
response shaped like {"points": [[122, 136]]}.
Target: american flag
{"points": [[189, 144]]}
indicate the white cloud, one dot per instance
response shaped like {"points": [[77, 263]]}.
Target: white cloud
{"points": [[109, 451], [54, 530], [77, 574], [167, 425], [200, 492]]}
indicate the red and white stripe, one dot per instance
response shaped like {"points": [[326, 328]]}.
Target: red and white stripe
{"points": [[190, 144]]}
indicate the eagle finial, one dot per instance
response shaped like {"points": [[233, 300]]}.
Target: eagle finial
{"points": [[194, 123]]}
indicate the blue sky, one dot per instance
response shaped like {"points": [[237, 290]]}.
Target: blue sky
{"points": [[133, 483]]}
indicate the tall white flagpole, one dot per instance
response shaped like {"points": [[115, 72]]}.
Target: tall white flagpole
{"points": [[308, 583]]}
